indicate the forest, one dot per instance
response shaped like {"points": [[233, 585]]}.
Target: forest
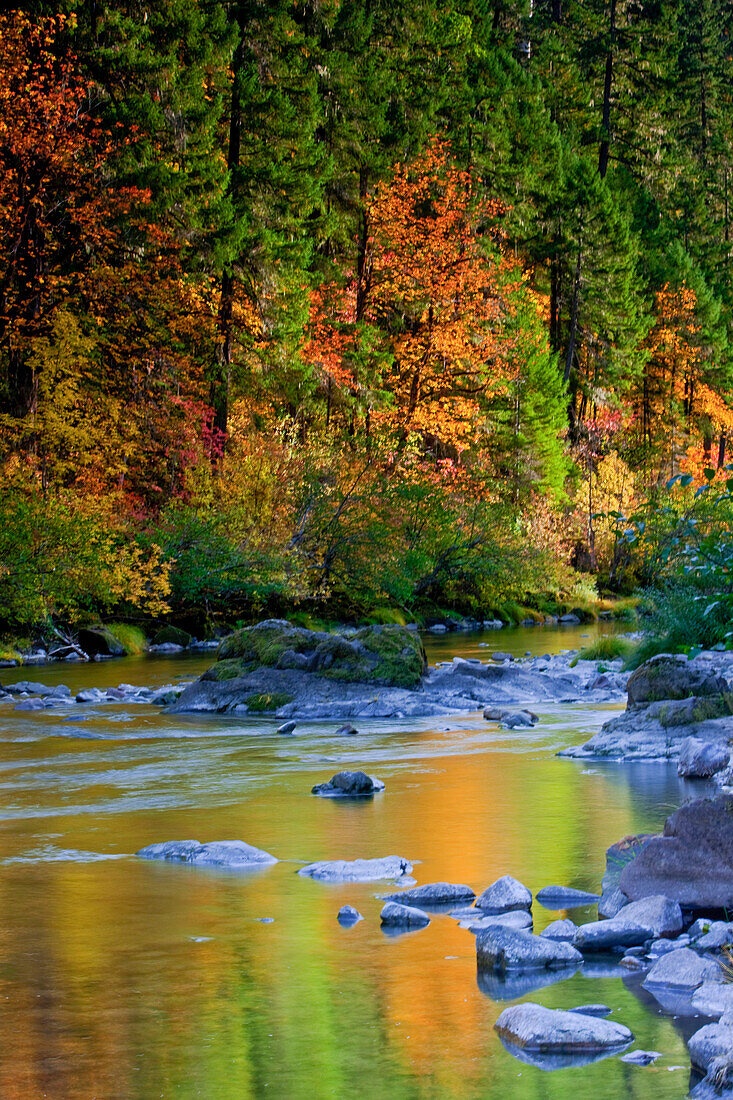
{"points": [[361, 308]]}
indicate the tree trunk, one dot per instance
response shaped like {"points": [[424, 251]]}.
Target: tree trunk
{"points": [[607, 85]]}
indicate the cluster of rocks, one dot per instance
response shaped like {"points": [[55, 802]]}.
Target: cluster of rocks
{"points": [[677, 709], [381, 672], [32, 695]]}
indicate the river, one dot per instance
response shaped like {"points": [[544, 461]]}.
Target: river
{"points": [[123, 978]]}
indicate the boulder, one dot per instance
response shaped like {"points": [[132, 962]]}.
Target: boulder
{"points": [[349, 785], [683, 969], [548, 1030], [709, 1044], [701, 759], [657, 914], [172, 635], [433, 893], [347, 730], [30, 704], [348, 916], [502, 949], [671, 676], [504, 894], [717, 934], [476, 921], [605, 935], [564, 897], [99, 640], [641, 1057], [403, 916], [218, 853], [692, 862], [563, 931], [286, 728], [518, 719], [713, 998], [358, 870], [611, 903]]}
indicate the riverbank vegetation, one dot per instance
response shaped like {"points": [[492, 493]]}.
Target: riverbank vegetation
{"points": [[358, 311]]}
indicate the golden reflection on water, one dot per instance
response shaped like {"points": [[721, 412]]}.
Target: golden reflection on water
{"points": [[123, 978]]}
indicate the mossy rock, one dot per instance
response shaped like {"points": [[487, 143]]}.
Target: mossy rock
{"points": [[270, 701], [669, 677], [100, 641], [390, 655], [172, 635]]}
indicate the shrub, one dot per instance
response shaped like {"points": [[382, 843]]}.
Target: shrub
{"points": [[130, 637]]}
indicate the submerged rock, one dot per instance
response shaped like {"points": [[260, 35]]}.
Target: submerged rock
{"points": [[349, 785], [286, 727], [348, 916], [433, 893], [547, 1030], [476, 920], [218, 853], [641, 1057], [403, 916], [504, 894], [358, 870], [593, 1010], [501, 949]]}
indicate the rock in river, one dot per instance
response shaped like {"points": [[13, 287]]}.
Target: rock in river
{"points": [[218, 853], [504, 894], [349, 785], [403, 916], [348, 916], [565, 897], [502, 949], [659, 915], [701, 759], [434, 893], [550, 1031], [692, 862], [683, 969], [563, 931], [605, 935], [358, 870]]}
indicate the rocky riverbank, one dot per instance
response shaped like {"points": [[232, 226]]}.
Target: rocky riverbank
{"points": [[677, 709]]}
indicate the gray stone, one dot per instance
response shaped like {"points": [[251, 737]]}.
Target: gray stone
{"points": [[611, 903], [30, 704], [709, 1044], [683, 969], [719, 934], [633, 962], [569, 618], [692, 862], [604, 935], [641, 1057], [592, 1010], [519, 719], [672, 676], [495, 714], [218, 853], [286, 727], [166, 648], [349, 785], [433, 893], [358, 870], [659, 915], [561, 930], [713, 998], [499, 656], [548, 1030], [348, 916], [701, 759], [564, 897], [89, 695], [403, 916], [664, 946], [30, 687], [502, 949], [347, 730], [504, 894]]}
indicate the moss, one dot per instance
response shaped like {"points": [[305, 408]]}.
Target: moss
{"points": [[606, 648], [711, 706], [131, 638], [387, 616], [265, 644], [229, 669], [401, 659], [271, 701], [171, 635]]}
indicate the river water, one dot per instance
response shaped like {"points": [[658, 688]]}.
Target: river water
{"points": [[126, 978]]}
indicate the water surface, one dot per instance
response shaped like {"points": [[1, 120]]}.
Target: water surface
{"points": [[124, 978]]}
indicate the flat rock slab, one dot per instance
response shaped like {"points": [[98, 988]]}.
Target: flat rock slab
{"points": [[683, 969], [218, 853], [433, 893], [403, 916], [475, 921], [692, 862], [503, 895], [502, 949], [349, 785], [358, 870], [565, 897], [641, 1057], [551, 1031]]}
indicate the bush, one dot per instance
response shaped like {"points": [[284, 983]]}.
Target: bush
{"points": [[130, 637], [606, 648]]}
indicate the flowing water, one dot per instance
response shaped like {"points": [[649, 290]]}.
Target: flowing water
{"points": [[126, 978]]}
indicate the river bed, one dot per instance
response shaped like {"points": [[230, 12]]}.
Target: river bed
{"points": [[126, 978]]}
